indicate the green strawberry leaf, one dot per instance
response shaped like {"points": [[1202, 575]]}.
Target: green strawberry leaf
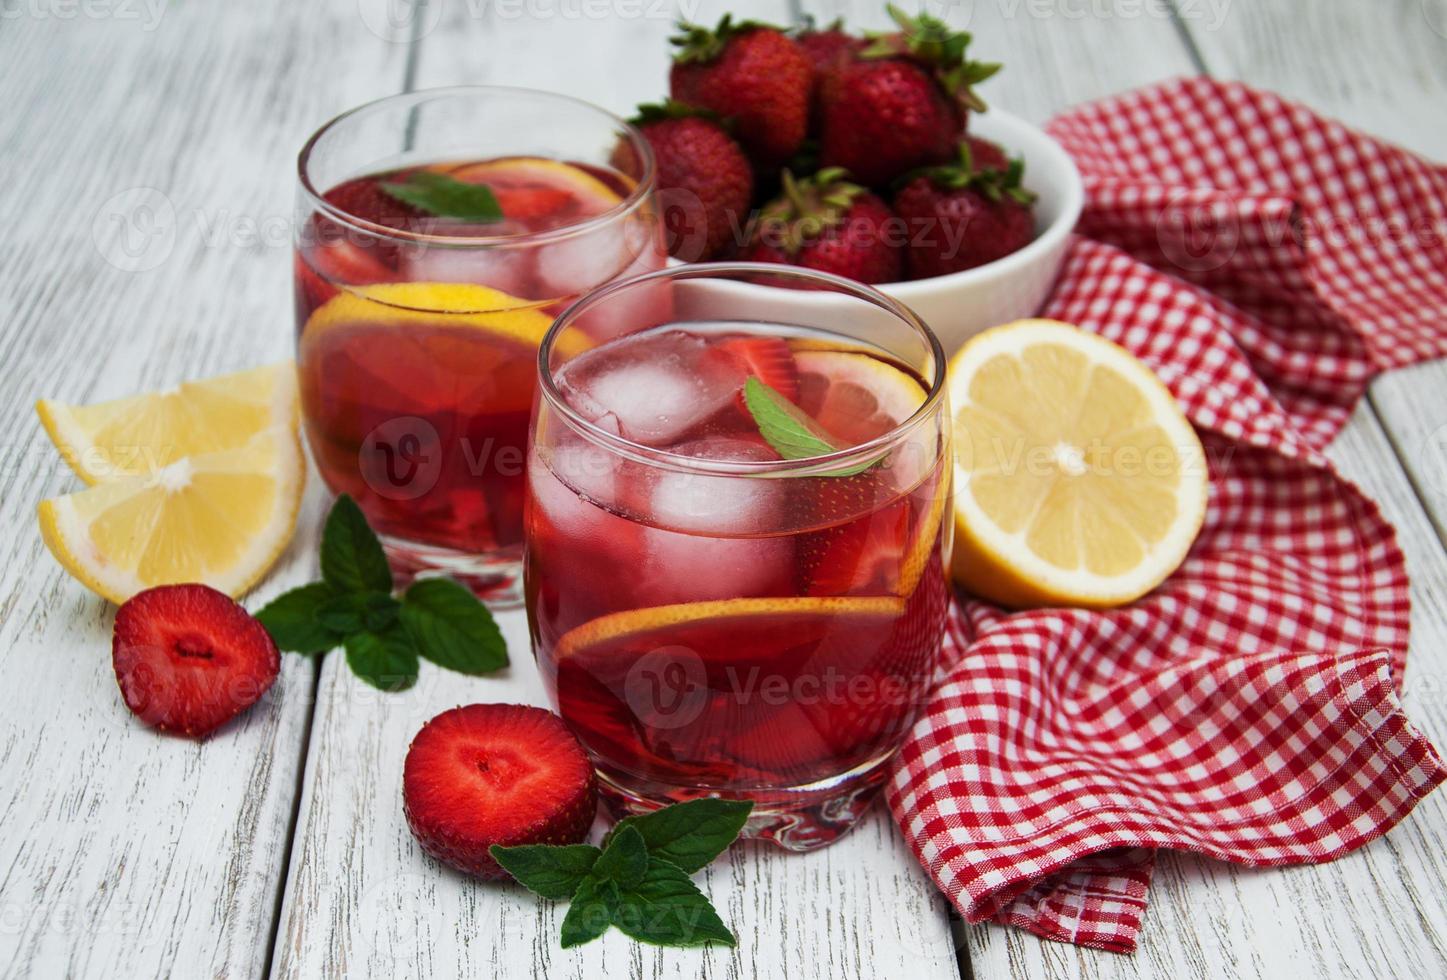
{"points": [[452, 627]]}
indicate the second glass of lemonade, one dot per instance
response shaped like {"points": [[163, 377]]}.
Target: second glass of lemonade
{"points": [[738, 539], [439, 234]]}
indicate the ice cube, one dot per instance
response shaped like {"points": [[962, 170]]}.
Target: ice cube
{"points": [[717, 505], [579, 262], [657, 385], [511, 270], [712, 562], [636, 308]]}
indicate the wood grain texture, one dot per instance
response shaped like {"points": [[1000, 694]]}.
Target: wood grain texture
{"points": [[1373, 913], [124, 852], [1382, 68], [363, 899]]}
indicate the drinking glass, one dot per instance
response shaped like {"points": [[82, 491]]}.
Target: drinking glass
{"points": [[712, 619], [418, 322]]}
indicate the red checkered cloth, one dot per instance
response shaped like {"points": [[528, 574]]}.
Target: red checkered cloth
{"points": [[1266, 263]]}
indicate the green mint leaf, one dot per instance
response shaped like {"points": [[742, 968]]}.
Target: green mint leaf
{"points": [[447, 197], [352, 612], [387, 660], [625, 860], [452, 627], [689, 835], [291, 619], [352, 557], [784, 426], [550, 871], [667, 909], [591, 912]]}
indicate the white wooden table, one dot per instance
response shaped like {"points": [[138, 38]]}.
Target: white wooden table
{"points": [[146, 162]]}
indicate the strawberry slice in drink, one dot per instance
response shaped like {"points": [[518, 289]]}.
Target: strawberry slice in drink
{"points": [[770, 360]]}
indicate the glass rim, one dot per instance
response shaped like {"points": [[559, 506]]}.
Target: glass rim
{"points": [[821, 465], [639, 193]]}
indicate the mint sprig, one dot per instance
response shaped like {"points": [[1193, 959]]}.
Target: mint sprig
{"points": [[638, 880], [793, 434], [446, 197], [385, 638]]}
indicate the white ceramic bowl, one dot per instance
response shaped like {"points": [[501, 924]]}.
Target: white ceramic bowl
{"points": [[959, 305]]}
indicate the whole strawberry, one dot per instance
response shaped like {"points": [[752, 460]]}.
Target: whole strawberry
{"points": [[901, 103], [827, 223], [960, 216], [705, 183], [829, 47], [752, 75]]}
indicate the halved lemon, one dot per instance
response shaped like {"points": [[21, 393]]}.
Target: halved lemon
{"points": [[144, 433], [1078, 479], [397, 304], [218, 518]]}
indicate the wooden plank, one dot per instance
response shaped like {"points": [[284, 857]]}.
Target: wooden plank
{"points": [[363, 899], [122, 852], [1371, 913], [1383, 69]]}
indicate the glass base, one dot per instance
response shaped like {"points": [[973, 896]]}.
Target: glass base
{"points": [[495, 578], [796, 818]]}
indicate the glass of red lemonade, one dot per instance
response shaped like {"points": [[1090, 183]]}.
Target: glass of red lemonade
{"points": [[439, 234], [738, 538]]}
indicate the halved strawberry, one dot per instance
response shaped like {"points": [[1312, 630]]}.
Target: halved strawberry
{"points": [[188, 658], [488, 774], [364, 198], [341, 262], [768, 358], [863, 557], [529, 203]]}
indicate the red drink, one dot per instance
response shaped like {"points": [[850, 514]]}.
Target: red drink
{"points": [[724, 626], [425, 280]]}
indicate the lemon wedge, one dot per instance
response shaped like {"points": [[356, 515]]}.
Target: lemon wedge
{"points": [[145, 433], [1078, 479], [220, 518]]}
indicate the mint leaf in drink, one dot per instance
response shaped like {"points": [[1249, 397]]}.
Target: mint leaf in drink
{"points": [[385, 660], [352, 557], [591, 913], [452, 627], [630, 883], [666, 909], [446, 197], [784, 426], [353, 607], [689, 835], [551, 871], [625, 860], [291, 619]]}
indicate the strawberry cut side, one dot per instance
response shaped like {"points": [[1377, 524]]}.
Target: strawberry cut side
{"points": [[863, 557], [188, 658], [770, 360], [488, 774]]}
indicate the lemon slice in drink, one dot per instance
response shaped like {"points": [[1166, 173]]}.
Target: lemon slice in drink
{"points": [[143, 433], [635, 625], [218, 518], [531, 188], [1078, 480], [451, 304]]}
